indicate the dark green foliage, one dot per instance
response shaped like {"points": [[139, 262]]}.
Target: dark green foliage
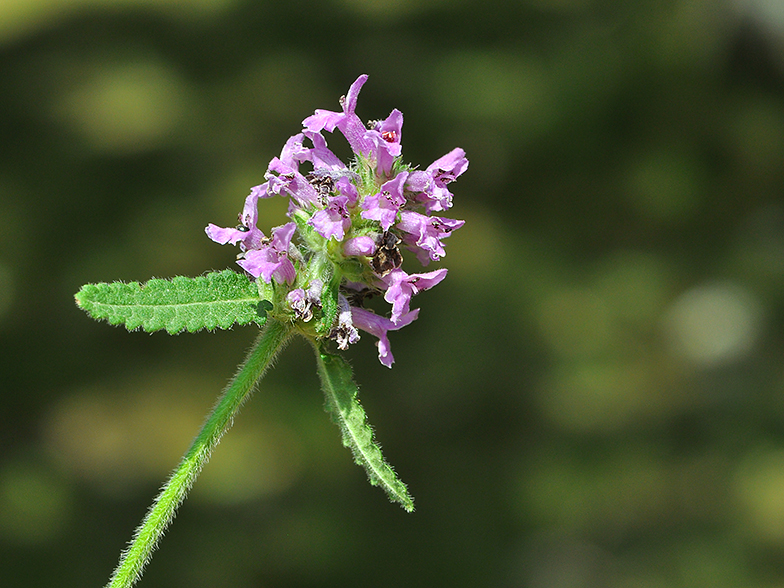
{"points": [[218, 299]]}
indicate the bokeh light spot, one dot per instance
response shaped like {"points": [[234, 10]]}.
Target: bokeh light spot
{"points": [[126, 107], [118, 441], [249, 463], [714, 323]]}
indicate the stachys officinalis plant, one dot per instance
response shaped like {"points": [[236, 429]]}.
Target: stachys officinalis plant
{"points": [[349, 227]]}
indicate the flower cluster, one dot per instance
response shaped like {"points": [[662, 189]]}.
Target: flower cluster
{"points": [[351, 223]]}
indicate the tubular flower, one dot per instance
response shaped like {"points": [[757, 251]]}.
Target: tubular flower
{"points": [[271, 259], [350, 226], [401, 287]]}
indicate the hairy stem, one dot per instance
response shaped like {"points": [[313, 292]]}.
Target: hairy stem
{"points": [[132, 562]]}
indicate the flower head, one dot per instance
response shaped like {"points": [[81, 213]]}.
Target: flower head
{"points": [[351, 224]]}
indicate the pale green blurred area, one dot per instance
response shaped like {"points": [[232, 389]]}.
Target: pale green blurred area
{"points": [[595, 395]]}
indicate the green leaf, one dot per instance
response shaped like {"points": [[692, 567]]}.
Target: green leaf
{"points": [[343, 406], [218, 299]]}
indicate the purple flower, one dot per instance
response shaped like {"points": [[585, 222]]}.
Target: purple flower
{"points": [[347, 121], [294, 152], [402, 286], [245, 233], [320, 155], [391, 131], [378, 327], [385, 205], [430, 185], [299, 303], [360, 246], [344, 186], [291, 182], [386, 135], [445, 170], [302, 301], [272, 259], [380, 144], [334, 220], [423, 234]]}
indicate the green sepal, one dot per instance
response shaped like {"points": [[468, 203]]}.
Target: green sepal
{"points": [[217, 299], [343, 406], [329, 305]]}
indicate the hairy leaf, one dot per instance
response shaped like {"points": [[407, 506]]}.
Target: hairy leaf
{"points": [[218, 299], [344, 407]]}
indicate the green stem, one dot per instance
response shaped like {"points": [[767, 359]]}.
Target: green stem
{"points": [[132, 562]]}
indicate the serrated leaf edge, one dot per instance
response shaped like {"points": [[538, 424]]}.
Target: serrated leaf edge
{"points": [[369, 454]]}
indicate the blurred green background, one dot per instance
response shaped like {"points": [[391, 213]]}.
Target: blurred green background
{"points": [[593, 398]]}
